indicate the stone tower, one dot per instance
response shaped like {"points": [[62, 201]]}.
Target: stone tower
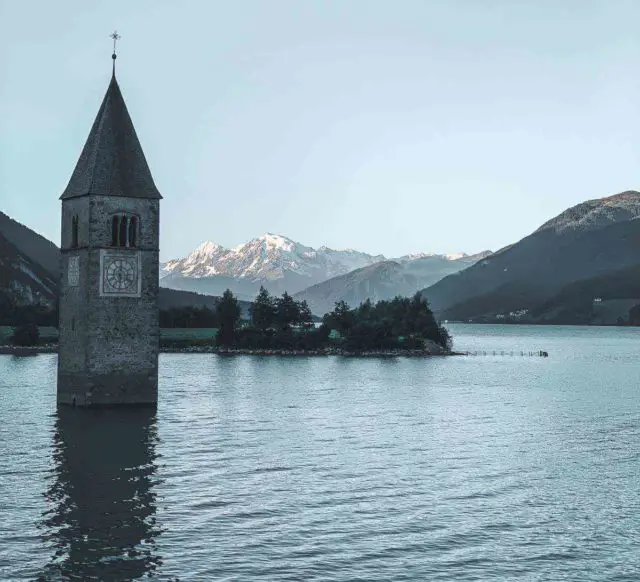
{"points": [[109, 333]]}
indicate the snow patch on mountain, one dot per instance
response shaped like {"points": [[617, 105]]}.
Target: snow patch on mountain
{"points": [[415, 256], [280, 264], [267, 257]]}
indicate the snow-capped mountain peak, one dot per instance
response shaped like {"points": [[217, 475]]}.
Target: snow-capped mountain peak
{"points": [[275, 261], [270, 241], [207, 248], [278, 242], [267, 257], [447, 256]]}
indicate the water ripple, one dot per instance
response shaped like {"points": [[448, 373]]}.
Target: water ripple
{"points": [[335, 470]]}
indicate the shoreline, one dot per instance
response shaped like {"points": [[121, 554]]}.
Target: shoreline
{"points": [[53, 349], [9, 350], [319, 352]]}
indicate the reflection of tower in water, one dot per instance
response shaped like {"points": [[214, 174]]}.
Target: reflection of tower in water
{"points": [[102, 522]]}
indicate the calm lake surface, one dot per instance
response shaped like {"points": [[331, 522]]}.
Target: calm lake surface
{"points": [[267, 468]]}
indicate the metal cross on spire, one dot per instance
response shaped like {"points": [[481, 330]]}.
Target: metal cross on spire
{"points": [[115, 36]]}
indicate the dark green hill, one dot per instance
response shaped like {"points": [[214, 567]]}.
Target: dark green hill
{"points": [[602, 300], [172, 298], [29, 273], [31, 244], [383, 280], [589, 240], [23, 281]]}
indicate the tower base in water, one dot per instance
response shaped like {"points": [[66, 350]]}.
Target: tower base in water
{"points": [[107, 390]]}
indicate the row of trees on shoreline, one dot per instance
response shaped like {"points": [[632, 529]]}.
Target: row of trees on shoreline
{"points": [[14, 314], [284, 323]]}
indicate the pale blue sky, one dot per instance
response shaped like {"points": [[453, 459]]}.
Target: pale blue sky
{"points": [[391, 127]]}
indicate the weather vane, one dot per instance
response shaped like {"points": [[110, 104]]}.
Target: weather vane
{"points": [[115, 36]]}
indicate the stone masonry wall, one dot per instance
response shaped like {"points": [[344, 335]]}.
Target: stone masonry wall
{"points": [[102, 209], [116, 339], [124, 333], [73, 331]]}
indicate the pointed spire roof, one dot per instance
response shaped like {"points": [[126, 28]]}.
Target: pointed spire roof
{"points": [[112, 162]]}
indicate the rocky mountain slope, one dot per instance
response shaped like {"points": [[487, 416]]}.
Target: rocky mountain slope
{"points": [[592, 239], [591, 251], [595, 214], [281, 264], [29, 272], [30, 244], [602, 300], [271, 260], [385, 280], [23, 281]]}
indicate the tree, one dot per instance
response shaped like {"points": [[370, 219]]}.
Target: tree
{"points": [[305, 315], [420, 320], [365, 311], [25, 334], [188, 316], [444, 338], [341, 318], [371, 336], [7, 308], [422, 323], [263, 310], [228, 314], [287, 311]]}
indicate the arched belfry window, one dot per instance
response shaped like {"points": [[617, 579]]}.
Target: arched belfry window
{"points": [[124, 230], [133, 223], [122, 234], [114, 231], [74, 232]]}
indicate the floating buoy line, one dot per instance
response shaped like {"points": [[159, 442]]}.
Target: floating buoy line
{"points": [[512, 353]]}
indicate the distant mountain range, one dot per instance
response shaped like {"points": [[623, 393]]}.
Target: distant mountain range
{"points": [[385, 279], [274, 261], [29, 270], [281, 264], [551, 275], [583, 266]]}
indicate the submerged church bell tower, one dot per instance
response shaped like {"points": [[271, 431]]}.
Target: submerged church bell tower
{"points": [[109, 334]]}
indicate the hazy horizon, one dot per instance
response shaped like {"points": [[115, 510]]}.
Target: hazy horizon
{"points": [[388, 128]]}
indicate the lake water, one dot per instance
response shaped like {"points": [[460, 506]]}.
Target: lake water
{"points": [[258, 468]]}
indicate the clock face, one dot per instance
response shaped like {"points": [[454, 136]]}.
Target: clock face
{"points": [[120, 274]]}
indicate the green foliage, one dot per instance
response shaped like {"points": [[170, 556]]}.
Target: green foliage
{"points": [[305, 315], [186, 342], [47, 334], [287, 311], [634, 315], [188, 317], [283, 323], [25, 334], [12, 314], [444, 338], [252, 338], [228, 315], [371, 335], [281, 313], [263, 310], [188, 333], [341, 318], [381, 325]]}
